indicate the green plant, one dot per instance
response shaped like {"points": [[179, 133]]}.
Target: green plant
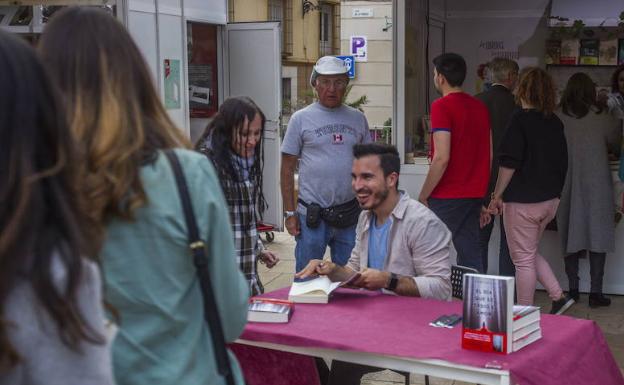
{"points": [[357, 103]]}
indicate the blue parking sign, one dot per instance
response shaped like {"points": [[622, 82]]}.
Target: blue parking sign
{"points": [[351, 63]]}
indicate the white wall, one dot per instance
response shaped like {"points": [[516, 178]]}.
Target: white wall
{"points": [[520, 24], [374, 77]]}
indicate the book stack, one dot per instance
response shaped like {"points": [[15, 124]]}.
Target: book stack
{"points": [[491, 322], [526, 326]]}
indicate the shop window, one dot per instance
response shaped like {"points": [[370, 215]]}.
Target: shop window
{"points": [[417, 81], [28, 21], [281, 10], [202, 70], [327, 30], [336, 30], [287, 95]]}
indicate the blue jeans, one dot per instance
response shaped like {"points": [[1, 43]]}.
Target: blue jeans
{"points": [[311, 243], [505, 265], [461, 216]]}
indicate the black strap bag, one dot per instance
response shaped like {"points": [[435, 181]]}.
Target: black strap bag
{"points": [[342, 215], [198, 250]]}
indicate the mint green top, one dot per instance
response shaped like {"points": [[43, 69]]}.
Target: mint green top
{"points": [[151, 281]]}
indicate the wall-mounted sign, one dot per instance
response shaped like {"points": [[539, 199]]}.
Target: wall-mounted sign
{"points": [[350, 61], [172, 84], [362, 12], [359, 48]]}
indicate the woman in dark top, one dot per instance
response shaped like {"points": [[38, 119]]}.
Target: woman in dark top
{"points": [[232, 141], [533, 162]]}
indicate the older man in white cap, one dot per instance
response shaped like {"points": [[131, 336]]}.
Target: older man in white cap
{"points": [[321, 136]]}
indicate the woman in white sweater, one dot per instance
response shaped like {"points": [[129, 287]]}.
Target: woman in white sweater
{"points": [[51, 321]]}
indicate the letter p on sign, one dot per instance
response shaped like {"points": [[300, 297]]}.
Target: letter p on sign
{"points": [[359, 48]]}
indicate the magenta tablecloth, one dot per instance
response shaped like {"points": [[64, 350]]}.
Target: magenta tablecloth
{"points": [[571, 351]]}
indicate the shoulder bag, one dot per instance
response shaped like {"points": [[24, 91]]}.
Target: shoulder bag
{"points": [[198, 250]]}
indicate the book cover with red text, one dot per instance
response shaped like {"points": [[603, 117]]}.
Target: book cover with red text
{"points": [[488, 313]]}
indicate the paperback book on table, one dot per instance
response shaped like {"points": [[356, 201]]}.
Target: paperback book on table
{"points": [[269, 310], [491, 321], [317, 290]]}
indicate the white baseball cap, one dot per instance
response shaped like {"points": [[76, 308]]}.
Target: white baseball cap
{"points": [[328, 65]]}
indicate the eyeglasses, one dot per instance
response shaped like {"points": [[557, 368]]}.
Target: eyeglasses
{"points": [[338, 84]]}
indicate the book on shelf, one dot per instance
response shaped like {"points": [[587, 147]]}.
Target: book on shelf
{"points": [[317, 290], [608, 52], [526, 340], [569, 51], [269, 310], [589, 51], [553, 51]]}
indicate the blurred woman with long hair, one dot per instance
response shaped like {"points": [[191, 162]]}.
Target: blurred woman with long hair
{"points": [[586, 212], [533, 162], [51, 319], [121, 125], [233, 142]]}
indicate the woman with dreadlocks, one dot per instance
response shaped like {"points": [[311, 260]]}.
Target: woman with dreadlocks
{"points": [[232, 141]]}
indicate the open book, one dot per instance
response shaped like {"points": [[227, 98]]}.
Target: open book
{"points": [[316, 290]]}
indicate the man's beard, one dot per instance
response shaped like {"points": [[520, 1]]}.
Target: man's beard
{"points": [[378, 198]]}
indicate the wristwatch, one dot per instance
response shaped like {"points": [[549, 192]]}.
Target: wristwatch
{"points": [[394, 281], [288, 214]]}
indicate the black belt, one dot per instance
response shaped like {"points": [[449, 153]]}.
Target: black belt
{"points": [[338, 207]]}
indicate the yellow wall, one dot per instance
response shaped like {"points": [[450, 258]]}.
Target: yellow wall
{"points": [[249, 10], [305, 29], [305, 35]]}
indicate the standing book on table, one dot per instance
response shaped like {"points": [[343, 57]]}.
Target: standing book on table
{"points": [[491, 322], [488, 313]]}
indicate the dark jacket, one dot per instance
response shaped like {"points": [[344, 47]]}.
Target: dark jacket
{"points": [[501, 105], [535, 146]]}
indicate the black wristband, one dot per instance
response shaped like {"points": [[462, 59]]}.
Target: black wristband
{"points": [[394, 281]]}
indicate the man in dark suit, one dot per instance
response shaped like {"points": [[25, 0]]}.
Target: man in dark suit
{"points": [[501, 105]]}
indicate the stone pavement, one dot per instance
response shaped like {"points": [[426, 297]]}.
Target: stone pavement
{"points": [[610, 319]]}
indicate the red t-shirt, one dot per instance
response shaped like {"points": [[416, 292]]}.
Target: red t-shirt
{"points": [[468, 122]]}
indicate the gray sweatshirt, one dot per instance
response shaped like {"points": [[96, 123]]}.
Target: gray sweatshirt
{"points": [[45, 359]]}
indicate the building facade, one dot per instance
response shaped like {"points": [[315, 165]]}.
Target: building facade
{"points": [[309, 29]]}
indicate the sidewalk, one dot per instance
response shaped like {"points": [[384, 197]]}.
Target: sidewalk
{"points": [[610, 319]]}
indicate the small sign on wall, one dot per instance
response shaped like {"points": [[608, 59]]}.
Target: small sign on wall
{"points": [[350, 62], [172, 84], [359, 48], [362, 12]]}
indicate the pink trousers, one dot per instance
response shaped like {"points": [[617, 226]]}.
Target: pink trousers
{"points": [[524, 226]]}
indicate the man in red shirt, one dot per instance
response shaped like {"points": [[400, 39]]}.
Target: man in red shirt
{"points": [[461, 154]]}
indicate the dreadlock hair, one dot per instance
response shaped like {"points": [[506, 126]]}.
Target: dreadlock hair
{"points": [[537, 88], [217, 142]]}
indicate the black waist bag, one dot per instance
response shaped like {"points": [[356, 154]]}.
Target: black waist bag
{"points": [[343, 215]]}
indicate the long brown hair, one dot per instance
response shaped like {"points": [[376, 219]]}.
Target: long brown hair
{"points": [[579, 96], [41, 212], [537, 88], [114, 110]]}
